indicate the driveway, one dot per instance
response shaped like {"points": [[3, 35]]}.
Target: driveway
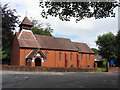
{"points": [[19, 79]]}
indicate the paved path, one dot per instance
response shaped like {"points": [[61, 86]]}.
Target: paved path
{"points": [[16, 79]]}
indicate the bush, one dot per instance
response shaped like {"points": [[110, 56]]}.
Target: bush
{"points": [[72, 65], [99, 69], [58, 66], [104, 62]]}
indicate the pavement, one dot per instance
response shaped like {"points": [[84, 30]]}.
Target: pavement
{"points": [[22, 79]]}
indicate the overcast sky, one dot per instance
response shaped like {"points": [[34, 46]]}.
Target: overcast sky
{"points": [[86, 30]]}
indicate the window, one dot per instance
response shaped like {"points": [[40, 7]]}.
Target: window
{"points": [[71, 56], [81, 56], [89, 57], [46, 56], [59, 56]]}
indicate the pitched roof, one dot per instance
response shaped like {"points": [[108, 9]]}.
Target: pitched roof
{"points": [[28, 43], [83, 47], [34, 52], [47, 42], [26, 21], [26, 35], [98, 58], [27, 39]]}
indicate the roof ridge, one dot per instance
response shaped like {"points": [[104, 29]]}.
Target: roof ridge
{"points": [[79, 42], [52, 37], [42, 35], [62, 38]]}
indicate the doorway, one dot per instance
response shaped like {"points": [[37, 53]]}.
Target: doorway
{"points": [[37, 62]]}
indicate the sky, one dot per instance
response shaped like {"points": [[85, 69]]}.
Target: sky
{"points": [[85, 31]]}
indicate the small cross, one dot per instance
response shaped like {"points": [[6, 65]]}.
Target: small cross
{"points": [[26, 13]]}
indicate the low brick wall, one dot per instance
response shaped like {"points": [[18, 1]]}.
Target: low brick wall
{"points": [[114, 69], [48, 69]]}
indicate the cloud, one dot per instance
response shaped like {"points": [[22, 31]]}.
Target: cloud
{"points": [[85, 30]]}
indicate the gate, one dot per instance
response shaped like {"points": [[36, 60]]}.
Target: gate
{"points": [[102, 66]]}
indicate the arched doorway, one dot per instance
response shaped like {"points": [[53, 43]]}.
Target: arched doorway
{"points": [[37, 62]]}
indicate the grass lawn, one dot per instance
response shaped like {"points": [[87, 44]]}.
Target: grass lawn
{"points": [[101, 69]]}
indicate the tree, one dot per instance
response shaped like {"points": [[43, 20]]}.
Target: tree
{"points": [[38, 29], [9, 21], [78, 10], [95, 50], [107, 46], [118, 47]]}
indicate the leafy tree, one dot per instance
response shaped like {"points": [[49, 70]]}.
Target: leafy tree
{"points": [[78, 10], [118, 47], [9, 21], [95, 50], [38, 29], [107, 46]]}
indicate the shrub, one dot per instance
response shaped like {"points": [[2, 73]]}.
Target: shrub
{"points": [[58, 66], [72, 65]]}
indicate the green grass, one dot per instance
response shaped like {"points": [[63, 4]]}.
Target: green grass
{"points": [[100, 69]]}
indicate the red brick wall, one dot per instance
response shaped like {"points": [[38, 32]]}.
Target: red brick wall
{"points": [[85, 62], [15, 52], [91, 61], [114, 69], [18, 55], [53, 58], [23, 54], [60, 63], [50, 62], [48, 69]]}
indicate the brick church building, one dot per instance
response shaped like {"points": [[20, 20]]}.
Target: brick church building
{"points": [[29, 49]]}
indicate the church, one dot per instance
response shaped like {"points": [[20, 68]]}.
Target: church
{"points": [[33, 50]]}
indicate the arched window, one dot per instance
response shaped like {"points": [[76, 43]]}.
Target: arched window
{"points": [[89, 57], [60, 56], [46, 56], [71, 56], [81, 56]]}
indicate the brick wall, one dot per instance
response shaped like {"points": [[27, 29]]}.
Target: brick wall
{"points": [[84, 62], [18, 57], [113, 69], [53, 59], [50, 69], [23, 54], [15, 52]]}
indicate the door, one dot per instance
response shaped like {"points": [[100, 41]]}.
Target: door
{"points": [[37, 62]]}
